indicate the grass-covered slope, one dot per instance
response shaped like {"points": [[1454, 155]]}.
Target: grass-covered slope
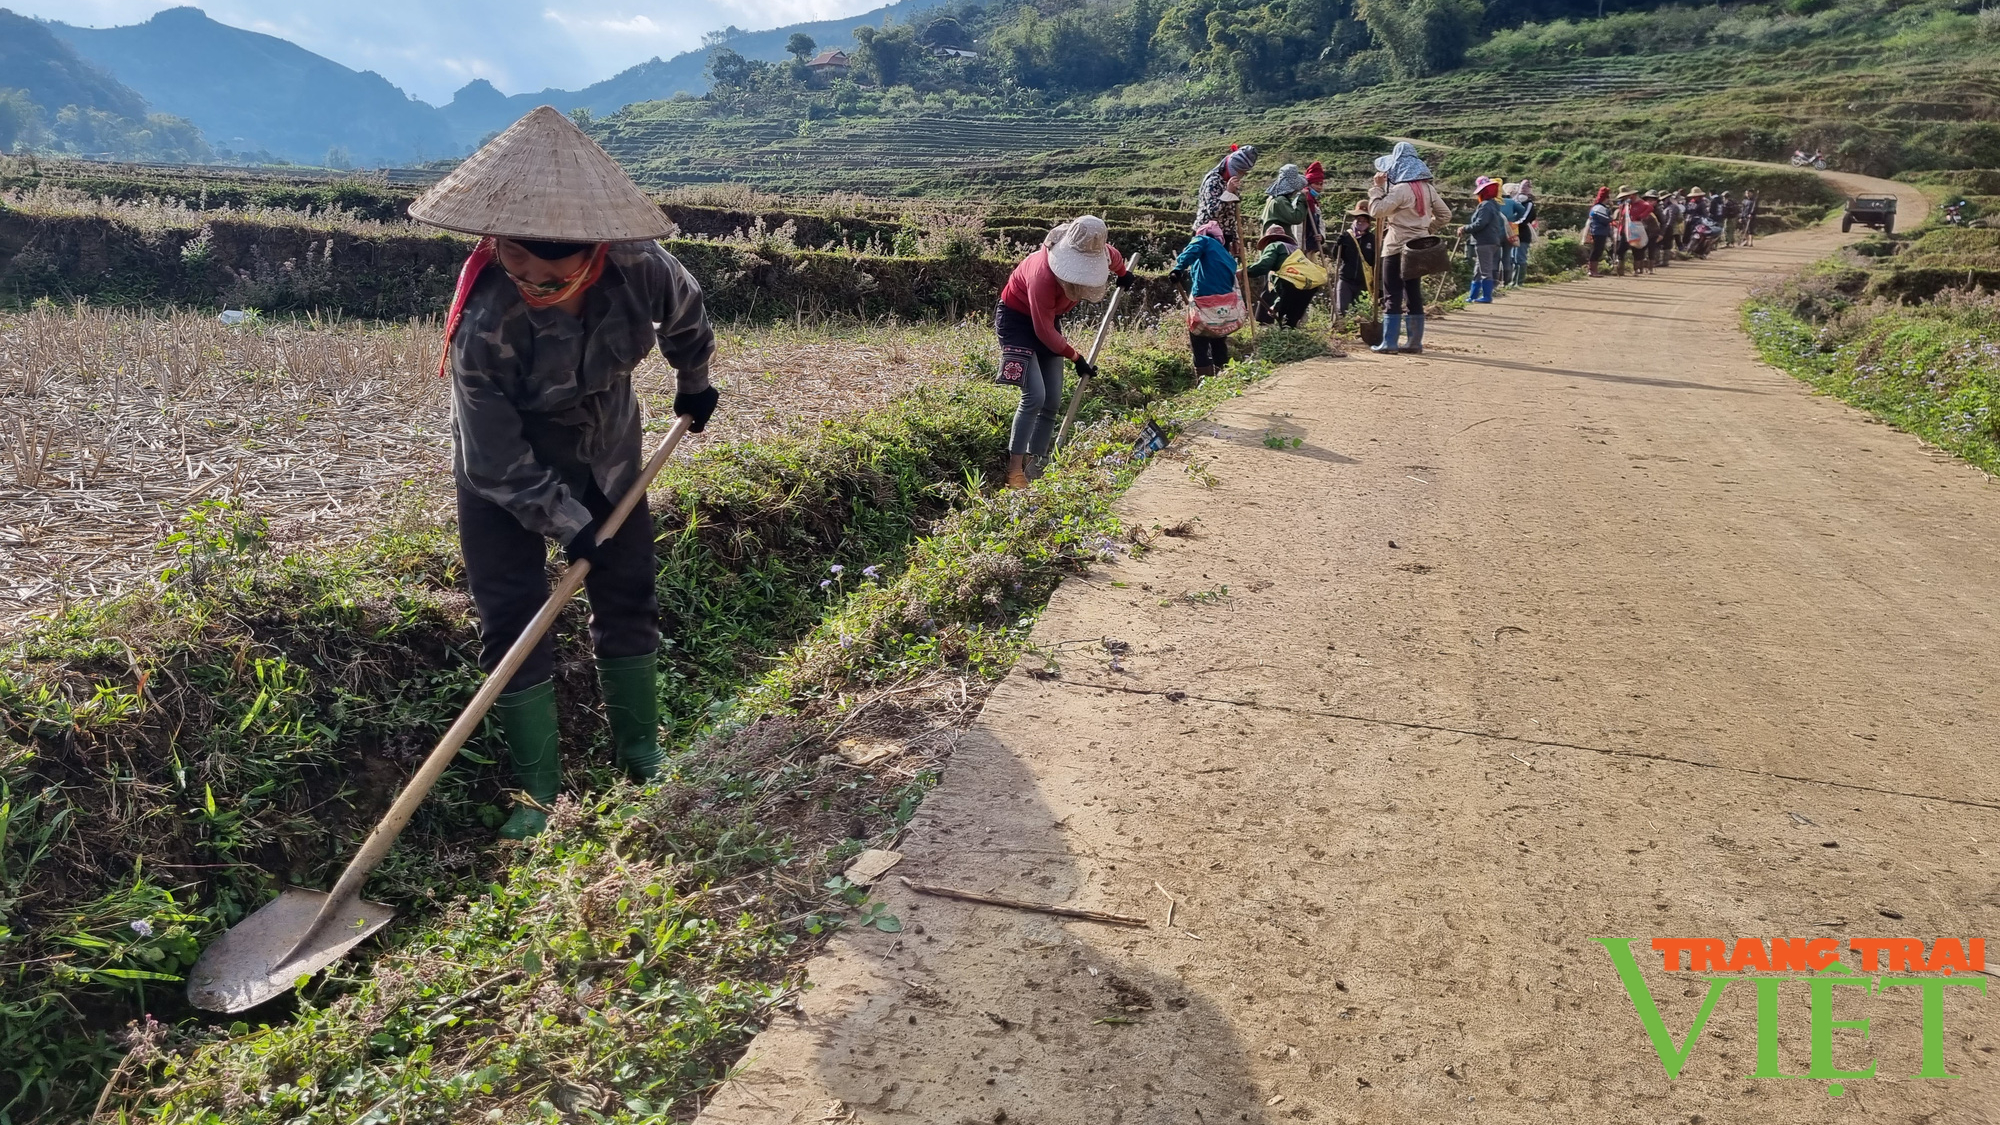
{"points": [[1906, 327]]}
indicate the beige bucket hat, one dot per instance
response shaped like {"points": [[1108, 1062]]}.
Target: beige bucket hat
{"points": [[545, 179], [1077, 252]]}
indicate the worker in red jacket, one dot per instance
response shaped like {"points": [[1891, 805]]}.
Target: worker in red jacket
{"points": [[1075, 264]]}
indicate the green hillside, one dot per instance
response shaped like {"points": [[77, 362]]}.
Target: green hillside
{"points": [[1880, 87]]}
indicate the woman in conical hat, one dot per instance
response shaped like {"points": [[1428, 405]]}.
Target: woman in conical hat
{"points": [[567, 291]]}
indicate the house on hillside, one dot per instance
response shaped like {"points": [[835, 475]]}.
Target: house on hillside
{"points": [[833, 61], [953, 53]]}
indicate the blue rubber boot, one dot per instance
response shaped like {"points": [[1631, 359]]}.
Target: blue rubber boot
{"points": [[1392, 327], [1483, 291], [1416, 344]]}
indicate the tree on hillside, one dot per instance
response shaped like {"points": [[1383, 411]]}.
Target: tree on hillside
{"points": [[884, 54], [1424, 37], [1077, 50], [945, 31], [20, 119], [1268, 48], [800, 46], [727, 69], [1144, 23]]}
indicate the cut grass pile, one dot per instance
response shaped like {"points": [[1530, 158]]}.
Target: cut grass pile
{"points": [[1930, 368]]}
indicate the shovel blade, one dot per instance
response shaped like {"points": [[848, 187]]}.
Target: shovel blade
{"points": [[1371, 332], [248, 965]]}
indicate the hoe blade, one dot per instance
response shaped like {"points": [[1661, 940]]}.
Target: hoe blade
{"points": [[243, 968]]}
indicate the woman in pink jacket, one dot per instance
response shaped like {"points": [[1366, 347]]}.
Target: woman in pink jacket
{"points": [[1075, 264]]}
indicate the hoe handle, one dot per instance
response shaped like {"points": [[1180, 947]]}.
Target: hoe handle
{"points": [[377, 846], [1103, 327]]}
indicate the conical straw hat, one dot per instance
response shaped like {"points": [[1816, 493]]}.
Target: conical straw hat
{"points": [[543, 179]]}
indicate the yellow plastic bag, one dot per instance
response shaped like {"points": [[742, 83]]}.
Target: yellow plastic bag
{"points": [[1302, 271]]}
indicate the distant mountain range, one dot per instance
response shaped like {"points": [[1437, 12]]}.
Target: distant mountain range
{"points": [[257, 95]]}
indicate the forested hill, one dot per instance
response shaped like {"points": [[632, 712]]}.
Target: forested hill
{"points": [[53, 99]]}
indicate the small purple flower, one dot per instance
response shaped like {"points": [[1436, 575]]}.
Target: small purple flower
{"points": [[871, 572], [826, 583], [836, 568], [143, 928]]}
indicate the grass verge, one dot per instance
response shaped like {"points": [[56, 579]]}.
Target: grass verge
{"points": [[1931, 369]]}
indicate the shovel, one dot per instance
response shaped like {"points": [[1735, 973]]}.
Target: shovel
{"points": [[1082, 385], [301, 932]]}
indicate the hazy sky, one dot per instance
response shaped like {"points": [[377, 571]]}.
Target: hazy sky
{"points": [[432, 47]]}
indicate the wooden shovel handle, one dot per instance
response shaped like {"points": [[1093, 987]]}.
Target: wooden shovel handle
{"points": [[376, 847], [1103, 327]]}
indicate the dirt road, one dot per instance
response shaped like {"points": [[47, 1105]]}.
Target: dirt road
{"points": [[1585, 625]]}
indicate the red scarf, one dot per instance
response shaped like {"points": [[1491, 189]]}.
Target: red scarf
{"points": [[536, 296]]}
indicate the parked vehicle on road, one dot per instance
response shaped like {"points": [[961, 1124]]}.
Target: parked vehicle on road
{"points": [[1878, 211]]}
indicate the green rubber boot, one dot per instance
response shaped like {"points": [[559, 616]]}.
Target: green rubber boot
{"points": [[632, 703], [528, 719]]}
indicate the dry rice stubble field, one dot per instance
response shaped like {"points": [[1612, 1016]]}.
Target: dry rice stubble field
{"points": [[115, 423]]}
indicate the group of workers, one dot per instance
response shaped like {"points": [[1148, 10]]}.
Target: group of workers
{"points": [[1393, 238], [1650, 227], [1295, 257], [568, 290]]}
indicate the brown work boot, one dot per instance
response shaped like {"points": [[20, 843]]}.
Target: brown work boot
{"points": [[1017, 478]]}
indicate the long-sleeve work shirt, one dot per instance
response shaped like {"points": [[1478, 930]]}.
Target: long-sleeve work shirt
{"points": [[542, 401]]}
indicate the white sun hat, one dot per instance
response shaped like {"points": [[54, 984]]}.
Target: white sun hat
{"points": [[1077, 252], [543, 179]]}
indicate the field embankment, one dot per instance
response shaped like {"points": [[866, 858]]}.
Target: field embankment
{"points": [[759, 259]]}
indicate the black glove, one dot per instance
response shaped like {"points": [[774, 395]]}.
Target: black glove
{"points": [[584, 544], [1127, 279], [698, 405], [1084, 368], [1179, 279]]}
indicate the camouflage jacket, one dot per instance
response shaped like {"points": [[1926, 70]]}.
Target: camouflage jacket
{"points": [[542, 402]]}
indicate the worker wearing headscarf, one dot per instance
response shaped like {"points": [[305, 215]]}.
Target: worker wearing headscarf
{"points": [[567, 291], [1405, 205], [1221, 191]]}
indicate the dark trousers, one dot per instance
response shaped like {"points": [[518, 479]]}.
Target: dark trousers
{"points": [[1027, 364], [1400, 294], [1209, 351], [1283, 303], [1345, 290], [507, 567]]}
